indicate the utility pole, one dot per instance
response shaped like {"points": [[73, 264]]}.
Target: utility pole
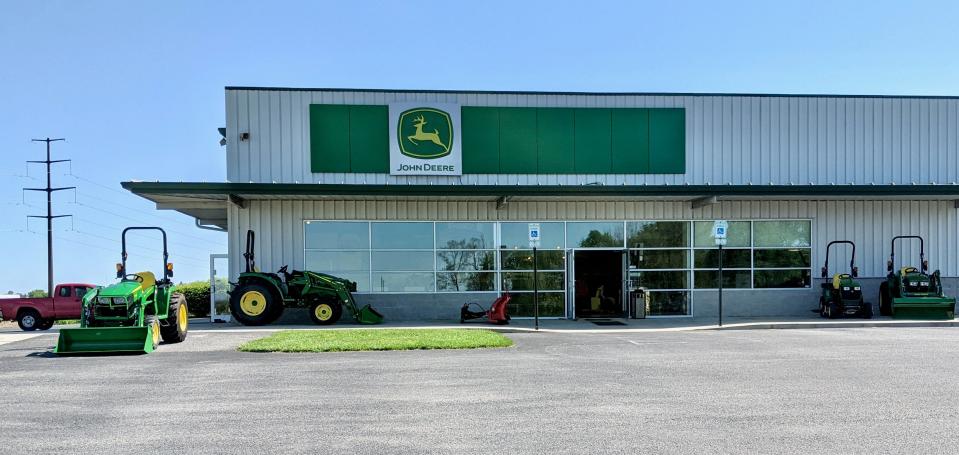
{"points": [[49, 216]]}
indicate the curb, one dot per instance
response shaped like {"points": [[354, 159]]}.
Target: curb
{"points": [[734, 326]]}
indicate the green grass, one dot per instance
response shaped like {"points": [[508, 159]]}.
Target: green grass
{"points": [[376, 340], [67, 321]]}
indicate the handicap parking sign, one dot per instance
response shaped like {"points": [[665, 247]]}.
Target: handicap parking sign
{"points": [[534, 235]]}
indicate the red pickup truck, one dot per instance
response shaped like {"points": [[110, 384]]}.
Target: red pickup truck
{"points": [[39, 313]]}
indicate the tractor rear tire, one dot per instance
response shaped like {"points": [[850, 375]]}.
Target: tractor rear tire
{"points": [[29, 320], [151, 320], [178, 320], [885, 300], [253, 304], [46, 324], [326, 312], [275, 314]]}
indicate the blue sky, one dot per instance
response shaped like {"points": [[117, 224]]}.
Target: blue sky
{"points": [[137, 87]]}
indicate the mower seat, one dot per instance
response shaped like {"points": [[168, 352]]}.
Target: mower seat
{"points": [[907, 270], [147, 280], [837, 280]]}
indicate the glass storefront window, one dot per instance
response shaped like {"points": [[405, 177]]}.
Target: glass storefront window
{"points": [[594, 235], [782, 233], [523, 281], [464, 236], [795, 278], [657, 234], [791, 257], [670, 257], [732, 279], [402, 236], [660, 280], [338, 261], [737, 234], [516, 235], [465, 281], [465, 260], [658, 259], [403, 281], [523, 259], [732, 259], [668, 303], [336, 235], [402, 261], [551, 304]]}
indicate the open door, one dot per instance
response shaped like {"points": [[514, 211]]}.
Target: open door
{"points": [[598, 284], [219, 288]]}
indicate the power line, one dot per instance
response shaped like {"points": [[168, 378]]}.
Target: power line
{"points": [[151, 213], [176, 242], [198, 261], [139, 220]]}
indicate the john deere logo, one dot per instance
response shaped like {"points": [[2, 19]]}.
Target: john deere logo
{"points": [[425, 133]]}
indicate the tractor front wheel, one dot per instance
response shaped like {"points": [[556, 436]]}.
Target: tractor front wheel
{"points": [[822, 307], [252, 304], [178, 320], [326, 312], [885, 300], [154, 324]]}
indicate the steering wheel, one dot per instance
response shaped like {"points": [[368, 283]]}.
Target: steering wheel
{"points": [[133, 277], [285, 271]]}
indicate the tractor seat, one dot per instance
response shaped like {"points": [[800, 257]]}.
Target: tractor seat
{"points": [[907, 270], [148, 280], [837, 279]]}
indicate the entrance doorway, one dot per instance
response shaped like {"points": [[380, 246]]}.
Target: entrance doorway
{"points": [[598, 284]]}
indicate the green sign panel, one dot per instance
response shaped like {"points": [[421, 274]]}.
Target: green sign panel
{"points": [[499, 140], [425, 133]]}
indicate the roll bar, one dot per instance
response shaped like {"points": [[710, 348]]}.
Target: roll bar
{"points": [[853, 270], [122, 269], [922, 252], [248, 254]]}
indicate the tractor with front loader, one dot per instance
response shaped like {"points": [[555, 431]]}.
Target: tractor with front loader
{"points": [[259, 298], [913, 293], [130, 316], [842, 295]]}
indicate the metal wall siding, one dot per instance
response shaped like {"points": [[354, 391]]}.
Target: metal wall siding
{"points": [[871, 224], [730, 139]]}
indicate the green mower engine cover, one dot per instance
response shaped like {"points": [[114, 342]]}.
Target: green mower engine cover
{"points": [[842, 296]]}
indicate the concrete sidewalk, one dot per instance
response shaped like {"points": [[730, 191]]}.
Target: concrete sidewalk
{"points": [[603, 326]]}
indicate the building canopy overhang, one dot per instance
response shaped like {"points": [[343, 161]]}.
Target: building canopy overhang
{"points": [[208, 202]]}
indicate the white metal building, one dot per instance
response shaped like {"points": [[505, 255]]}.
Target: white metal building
{"points": [[423, 197]]}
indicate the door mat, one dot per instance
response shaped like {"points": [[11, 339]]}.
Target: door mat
{"points": [[607, 323]]}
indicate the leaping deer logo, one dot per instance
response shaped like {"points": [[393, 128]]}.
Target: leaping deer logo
{"points": [[421, 135]]}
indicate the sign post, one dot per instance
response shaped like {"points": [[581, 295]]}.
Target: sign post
{"points": [[534, 236], [720, 228]]}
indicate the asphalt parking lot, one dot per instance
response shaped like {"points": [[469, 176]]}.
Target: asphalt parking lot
{"points": [[875, 390]]}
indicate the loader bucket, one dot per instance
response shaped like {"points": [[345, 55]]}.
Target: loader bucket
{"points": [[104, 340], [367, 315], [924, 308]]}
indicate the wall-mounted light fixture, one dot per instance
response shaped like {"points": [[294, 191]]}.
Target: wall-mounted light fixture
{"points": [[244, 136]]}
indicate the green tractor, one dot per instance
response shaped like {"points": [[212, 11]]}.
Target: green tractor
{"points": [[130, 316], [843, 294], [911, 293], [258, 298]]}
